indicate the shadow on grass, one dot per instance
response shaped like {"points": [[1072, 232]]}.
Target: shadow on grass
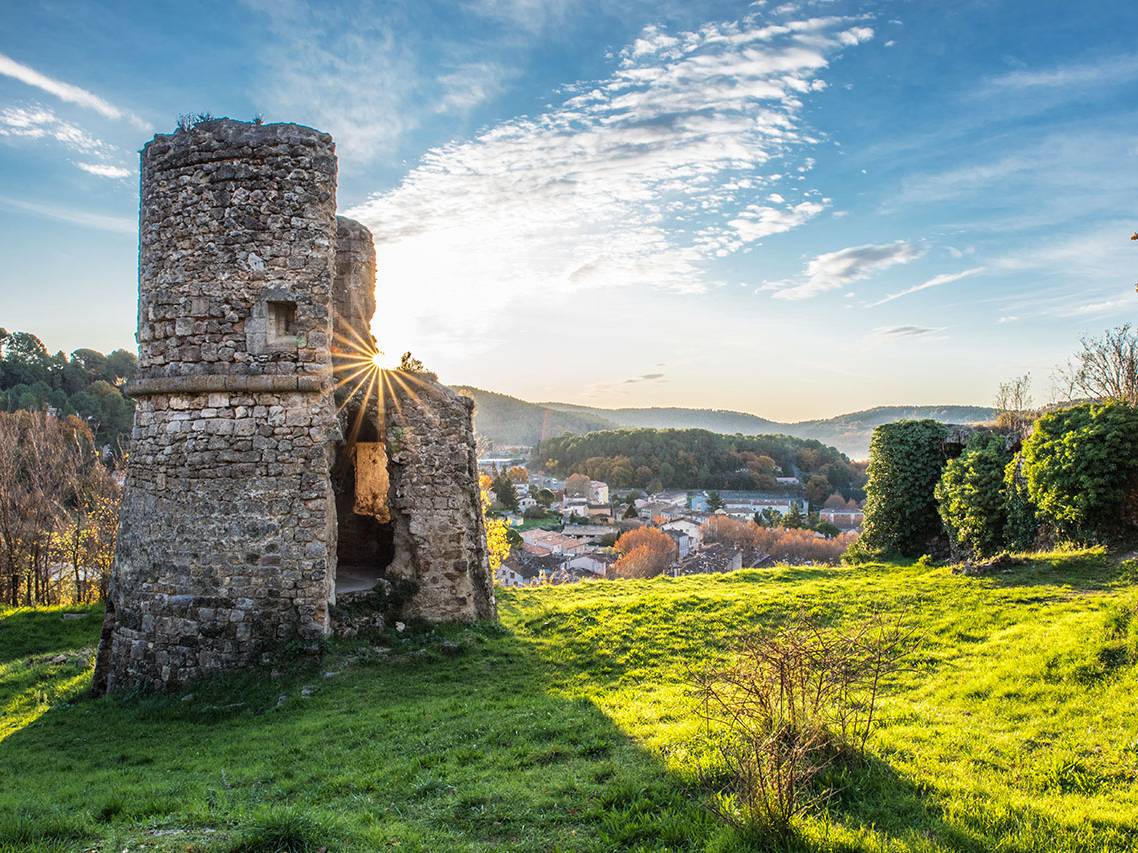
{"points": [[417, 745], [451, 738], [27, 632], [1092, 571]]}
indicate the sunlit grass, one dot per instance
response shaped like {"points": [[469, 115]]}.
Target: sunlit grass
{"points": [[572, 728]]}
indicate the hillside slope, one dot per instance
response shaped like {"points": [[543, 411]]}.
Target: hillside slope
{"points": [[507, 420], [570, 727]]}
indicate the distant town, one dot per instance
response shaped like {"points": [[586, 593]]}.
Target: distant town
{"points": [[563, 530]]}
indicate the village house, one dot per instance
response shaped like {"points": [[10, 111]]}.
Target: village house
{"points": [[846, 519], [719, 557], [688, 527], [544, 542], [587, 532], [595, 563]]}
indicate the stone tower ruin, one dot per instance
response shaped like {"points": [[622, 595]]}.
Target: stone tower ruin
{"points": [[271, 462]]}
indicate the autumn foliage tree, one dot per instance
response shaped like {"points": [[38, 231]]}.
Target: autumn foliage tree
{"points": [[58, 511], [644, 553], [497, 529]]}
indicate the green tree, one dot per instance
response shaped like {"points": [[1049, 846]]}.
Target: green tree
{"points": [[714, 501], [818, 488], [972, 496], [793, 518], [1080, 466], [504, 492], [905, 463]]}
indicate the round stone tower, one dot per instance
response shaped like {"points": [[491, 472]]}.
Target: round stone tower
{"points": [[227, 541]]}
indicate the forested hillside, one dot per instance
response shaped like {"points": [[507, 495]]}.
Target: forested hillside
{"points": [[699, 459], [504, 420], [86, 383]]}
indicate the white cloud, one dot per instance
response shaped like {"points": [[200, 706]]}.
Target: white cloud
{"points": [[470, 85], [1108, 71], [40, 123], [347, 72], [758, 221], [65, 91], [636, 180], [102, 222], [103, 170], [899, 332], [834, 270], [935, 281]]}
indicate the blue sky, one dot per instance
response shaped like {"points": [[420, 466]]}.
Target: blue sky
{"points": [[791, 209]]}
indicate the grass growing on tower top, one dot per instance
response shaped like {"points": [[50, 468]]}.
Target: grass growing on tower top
{"points": [[570, 727]]}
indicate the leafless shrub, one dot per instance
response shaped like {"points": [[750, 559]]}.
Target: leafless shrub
{"points": [[1106, 368], [787, 705], [1014, 405]]}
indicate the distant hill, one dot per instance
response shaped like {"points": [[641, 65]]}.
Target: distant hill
{"points": [[505, 420]]}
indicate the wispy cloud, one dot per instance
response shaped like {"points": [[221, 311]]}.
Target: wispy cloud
{"points": [[345, 71], [104, 170], [907, 331], [471, 84], [40, 123], [102, 222], [1127, 302], [935, 281], [65, 91], [635, 180], [1105, 71], [647, 377], [835, 270]]}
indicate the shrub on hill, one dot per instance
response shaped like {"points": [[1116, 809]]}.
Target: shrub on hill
{"points": [[975, 497], [905, 463], [1081, 469]]}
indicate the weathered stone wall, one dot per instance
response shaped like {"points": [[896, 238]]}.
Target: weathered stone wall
{"points": [[440, 541], [227, 521], [242, 467], [354, 288]]}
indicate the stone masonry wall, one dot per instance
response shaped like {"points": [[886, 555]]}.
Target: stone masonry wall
{"points": [[227, 524], [440, 540], [227, 545]]}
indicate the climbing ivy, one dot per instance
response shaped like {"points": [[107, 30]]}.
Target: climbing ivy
{"points": [[974, 497], [905, 463], [1081, 469]]}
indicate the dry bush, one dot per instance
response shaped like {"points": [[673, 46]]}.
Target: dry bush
{"points": [[789, 704], [802, 546], [783, 545], [644, 553]]}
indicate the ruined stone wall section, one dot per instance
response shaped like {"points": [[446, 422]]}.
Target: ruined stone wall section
{"points": [[235, 215], [353, 297], [227, 539], [440, 541]]}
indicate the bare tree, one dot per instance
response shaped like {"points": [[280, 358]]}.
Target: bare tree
{"points": [[1014, 404], [58, 510], [1106, 368]]}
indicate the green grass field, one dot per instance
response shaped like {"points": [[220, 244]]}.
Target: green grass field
{"points": [[569, 727]]}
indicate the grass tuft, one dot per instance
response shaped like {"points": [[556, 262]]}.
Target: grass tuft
{"points": [[283, 829]]}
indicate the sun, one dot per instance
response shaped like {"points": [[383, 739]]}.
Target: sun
{"points": [[377, 360]]}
